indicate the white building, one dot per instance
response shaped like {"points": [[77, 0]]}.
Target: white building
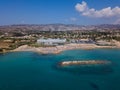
{"points": [[50, 41]]}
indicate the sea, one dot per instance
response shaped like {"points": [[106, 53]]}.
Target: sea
{"points": [[35, 71]]}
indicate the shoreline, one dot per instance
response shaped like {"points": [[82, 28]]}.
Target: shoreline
{"points": [[60, 48]]}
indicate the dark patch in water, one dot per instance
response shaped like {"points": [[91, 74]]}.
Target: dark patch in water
{"points": [[97, 70], [94, 86]]}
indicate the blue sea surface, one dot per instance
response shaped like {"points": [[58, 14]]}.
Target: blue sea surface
{"points": [[33, 71]]}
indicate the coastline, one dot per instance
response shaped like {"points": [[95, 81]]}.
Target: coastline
{"points": [[60, 48]]}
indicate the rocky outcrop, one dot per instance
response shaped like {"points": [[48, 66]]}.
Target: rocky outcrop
{"points": [[88, 62]]}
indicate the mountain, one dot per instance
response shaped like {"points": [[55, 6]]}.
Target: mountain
{"points": [[59, 27]]}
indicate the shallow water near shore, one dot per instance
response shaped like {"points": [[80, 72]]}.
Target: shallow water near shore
{"points": [[33, 71]]}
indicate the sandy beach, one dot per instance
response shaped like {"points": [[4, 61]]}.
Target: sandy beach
{"points": [[60, 48]]}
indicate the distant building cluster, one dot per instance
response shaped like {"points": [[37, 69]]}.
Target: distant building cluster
{"points": [[58, 41], [82, 41], [50, 41]]}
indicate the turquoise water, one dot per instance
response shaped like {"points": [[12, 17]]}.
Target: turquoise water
{"points": [[32, 71]]}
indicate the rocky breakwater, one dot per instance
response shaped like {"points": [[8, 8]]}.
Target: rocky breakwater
{"points": [[88, 62]]}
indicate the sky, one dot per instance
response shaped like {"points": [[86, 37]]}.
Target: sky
{"points": [[81, 12]]}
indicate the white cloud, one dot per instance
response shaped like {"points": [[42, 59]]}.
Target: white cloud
{"points": [[103, 13], [81, 7]]}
